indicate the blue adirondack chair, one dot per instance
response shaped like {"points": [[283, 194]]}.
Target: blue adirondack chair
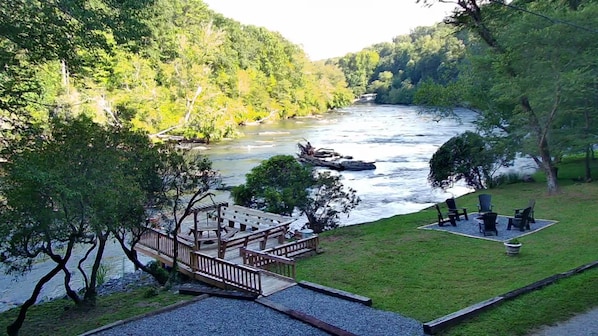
{"points": [[452, 207], [488, 223], [521, 222], [485, 203]]}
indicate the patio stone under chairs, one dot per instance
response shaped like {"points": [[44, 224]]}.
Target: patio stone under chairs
{"points": [[452, 207], [442, 220], [487, 223], [531, 204], [485, 203], [522, 222]]}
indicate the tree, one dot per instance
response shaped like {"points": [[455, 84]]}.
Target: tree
{"points": [[278, 185], [185, 182], [465, 157], [526, 90], [328, 200], [74, 184], [281, 185]]}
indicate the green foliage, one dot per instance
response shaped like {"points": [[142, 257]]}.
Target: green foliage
{"points": [[465, 157], [329, 199], [163, 66], [531, 81], [102, 274], [75, 184], [150, 292], [509, 178], [396, 70], [281, 185], [159, 272]]}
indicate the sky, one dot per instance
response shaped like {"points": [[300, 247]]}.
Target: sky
{"points": [[331, 28]]}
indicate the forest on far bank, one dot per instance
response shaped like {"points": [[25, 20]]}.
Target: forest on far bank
{"points": [[177, 68], [171, 67]]}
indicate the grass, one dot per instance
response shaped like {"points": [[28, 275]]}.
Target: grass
{"points": [[422, 274], [428, 274]]}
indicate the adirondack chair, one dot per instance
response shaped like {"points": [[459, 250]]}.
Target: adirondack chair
{"points": [[531, 204], [485, 203], [442, 220], [521, 222], [452, 207], [488, 223]]}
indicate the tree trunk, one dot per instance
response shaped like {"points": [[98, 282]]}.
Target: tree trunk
{"points": [[13, 328], [67, 287], [587, 163], [90, 291], [132, 256]]}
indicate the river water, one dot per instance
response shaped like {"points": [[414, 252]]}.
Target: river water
{"points": [[398, 139]]}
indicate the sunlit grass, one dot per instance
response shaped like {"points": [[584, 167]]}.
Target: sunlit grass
{"points": [[427, 274]]}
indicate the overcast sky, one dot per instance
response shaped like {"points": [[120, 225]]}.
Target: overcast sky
{"points": [[329, 28]]}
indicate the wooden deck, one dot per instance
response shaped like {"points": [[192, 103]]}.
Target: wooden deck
{"points": [[256, 261]]}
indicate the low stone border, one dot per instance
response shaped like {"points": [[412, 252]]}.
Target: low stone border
{"points": [[336, 293], [439, 324]]}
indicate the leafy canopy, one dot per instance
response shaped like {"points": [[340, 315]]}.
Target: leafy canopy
{"points": [[281, 185], [466, 157]]}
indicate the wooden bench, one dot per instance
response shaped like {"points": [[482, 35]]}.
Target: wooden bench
{"points": [[246, 218], [260, 236]]}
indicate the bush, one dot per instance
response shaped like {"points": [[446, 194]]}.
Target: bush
{"points": [[158, 271], [281, 184], [510, 178]]}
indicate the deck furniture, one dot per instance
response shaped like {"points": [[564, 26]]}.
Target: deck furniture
{"points": [[531, 204], [452, 207], [487, 223], [485, 203], [521, 222], [451, 217]]}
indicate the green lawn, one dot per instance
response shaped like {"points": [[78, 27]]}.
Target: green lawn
{"points": [[422, 274], [427, 274]]}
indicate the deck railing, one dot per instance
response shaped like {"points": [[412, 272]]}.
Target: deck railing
{"points": [[228, 273], [292, 248], [273, 263], [163, 244]]}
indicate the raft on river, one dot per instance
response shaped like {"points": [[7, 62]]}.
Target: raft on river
{"points": [[328, 158]]}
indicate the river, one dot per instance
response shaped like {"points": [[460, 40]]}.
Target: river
{"points": [[398, 139]]}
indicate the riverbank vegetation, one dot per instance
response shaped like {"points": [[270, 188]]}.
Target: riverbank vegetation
{"points": [[172, 68], [532, 82], [423, 274]]}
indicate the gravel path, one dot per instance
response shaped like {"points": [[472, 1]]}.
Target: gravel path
{"points": [[584, 324], [350, 316], [216, 316]]}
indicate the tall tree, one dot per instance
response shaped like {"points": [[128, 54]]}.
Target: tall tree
{"points": [[74, 185], [521, 90]]}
